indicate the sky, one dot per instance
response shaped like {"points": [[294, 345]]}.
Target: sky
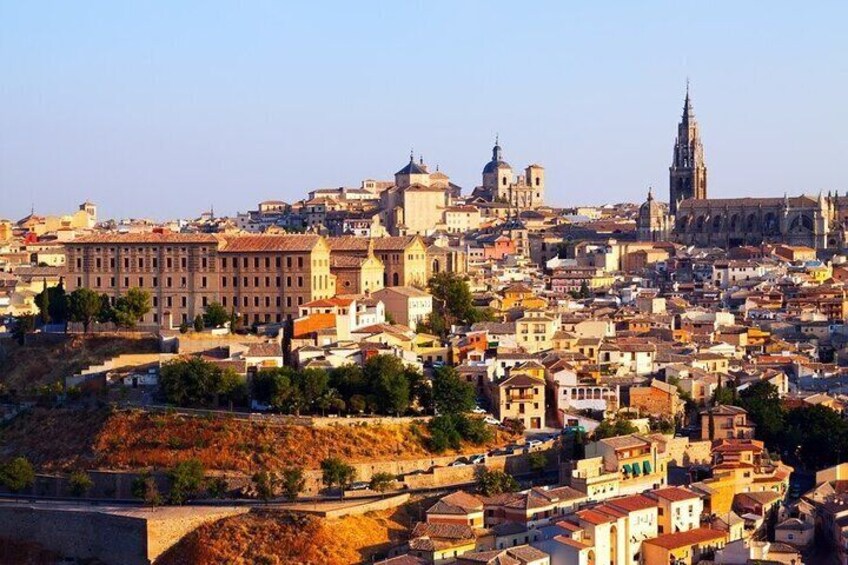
{"points": [[163, 109]]}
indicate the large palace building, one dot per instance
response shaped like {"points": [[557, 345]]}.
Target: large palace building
{"points": [[693, 219]]}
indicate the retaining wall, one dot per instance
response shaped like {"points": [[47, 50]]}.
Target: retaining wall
{"points": [[113, 536]]}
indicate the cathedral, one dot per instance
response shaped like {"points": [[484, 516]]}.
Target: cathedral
{"points": [[694, 219]]}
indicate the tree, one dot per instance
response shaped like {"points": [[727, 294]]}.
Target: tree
{"points": [[18, 474], [387, 383], [614, 428], [584, 291], [266, 484], [106, 313], [451, 394], [217, 487], [452, 303], [195, 382], [215, 315], [42, 300], [198, 323], [292, 482], [144, 487], [711, 424], [816, 435], [273, 387], [132, 307], [337, 473], [83, 306], [762, 402], [492, 482], [187, 480], [80, 483], [449, 430], [357, 403], [381, 482], [23, 325], [537, 461]]}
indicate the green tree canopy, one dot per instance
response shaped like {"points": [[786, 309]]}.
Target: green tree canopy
{"points": [[215, 315], [388, 384], [18, 474], [492, 482], [614, 428], [195, 382], [451, 394], [83, 306], [762, 401], [292, 482], [131, 307], [452, 303], [187, 480], [337, 473]]}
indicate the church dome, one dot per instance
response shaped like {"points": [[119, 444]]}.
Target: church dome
{"points": [[497, 161], [650, 209]]}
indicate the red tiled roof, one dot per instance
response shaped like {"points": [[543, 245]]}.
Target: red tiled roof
{"points": [[270, 243], [688, 538], [144, 238]]}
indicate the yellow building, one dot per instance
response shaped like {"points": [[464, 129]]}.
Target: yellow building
{"points": [[535, 331], [682, 547], [521, 397], [518, 296]]}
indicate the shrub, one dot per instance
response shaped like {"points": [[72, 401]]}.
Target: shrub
{"points": [[80, 483], [382, 482], [144, 487], [292, 482], [217, 487], [495, 482], [18, 474], [265, 482], [186, 481]]}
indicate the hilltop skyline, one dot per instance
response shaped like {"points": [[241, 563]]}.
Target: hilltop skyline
{"points": [[148, 114]]}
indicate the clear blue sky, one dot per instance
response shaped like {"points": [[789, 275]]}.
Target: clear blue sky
{"points": [[160, 109]]}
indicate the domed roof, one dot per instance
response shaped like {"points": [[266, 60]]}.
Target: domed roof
{"points": [[497, 161], [650, 208]]}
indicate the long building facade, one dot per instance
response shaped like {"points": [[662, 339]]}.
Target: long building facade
{"points": [[263, 279]]}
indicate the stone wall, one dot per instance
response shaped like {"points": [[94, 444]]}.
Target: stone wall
{"points": [[113, 536]]}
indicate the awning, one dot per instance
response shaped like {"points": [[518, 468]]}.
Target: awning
{"points": [[627, 470], [646, 466], [636, 470]]}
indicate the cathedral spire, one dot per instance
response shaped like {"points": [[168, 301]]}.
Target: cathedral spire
{"points": [[688, 171]]}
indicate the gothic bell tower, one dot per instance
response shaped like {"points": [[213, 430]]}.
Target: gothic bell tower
{"points": [[688, 172]]}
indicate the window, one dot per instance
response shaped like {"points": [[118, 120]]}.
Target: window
{"points": [[140, 281], [183, 262], [126, 281], [300, 262], [203, 282], [140, 263], [183, 301]]}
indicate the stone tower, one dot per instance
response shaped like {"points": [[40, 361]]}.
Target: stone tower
{"points": [[688, 173]]}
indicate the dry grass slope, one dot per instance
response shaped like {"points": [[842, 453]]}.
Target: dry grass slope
{"points": [[26, 367], [69, 439], [277, 538]]}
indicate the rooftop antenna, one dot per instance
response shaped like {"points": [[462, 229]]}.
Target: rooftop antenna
{"points": [[411, 155]]}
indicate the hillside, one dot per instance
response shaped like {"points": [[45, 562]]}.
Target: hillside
{"points": [[279, 538], [26, 367], [58, 439]]}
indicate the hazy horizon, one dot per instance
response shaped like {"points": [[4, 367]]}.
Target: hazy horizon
{"points": [[161, 111]]}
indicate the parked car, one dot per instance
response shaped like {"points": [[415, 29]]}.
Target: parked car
{"points": [[458, 463], [478, 459], [478, 410], [492, 421], [534, 443], [359, 485]]}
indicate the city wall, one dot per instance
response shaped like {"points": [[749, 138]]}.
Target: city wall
{"points": [[116, 536]]}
